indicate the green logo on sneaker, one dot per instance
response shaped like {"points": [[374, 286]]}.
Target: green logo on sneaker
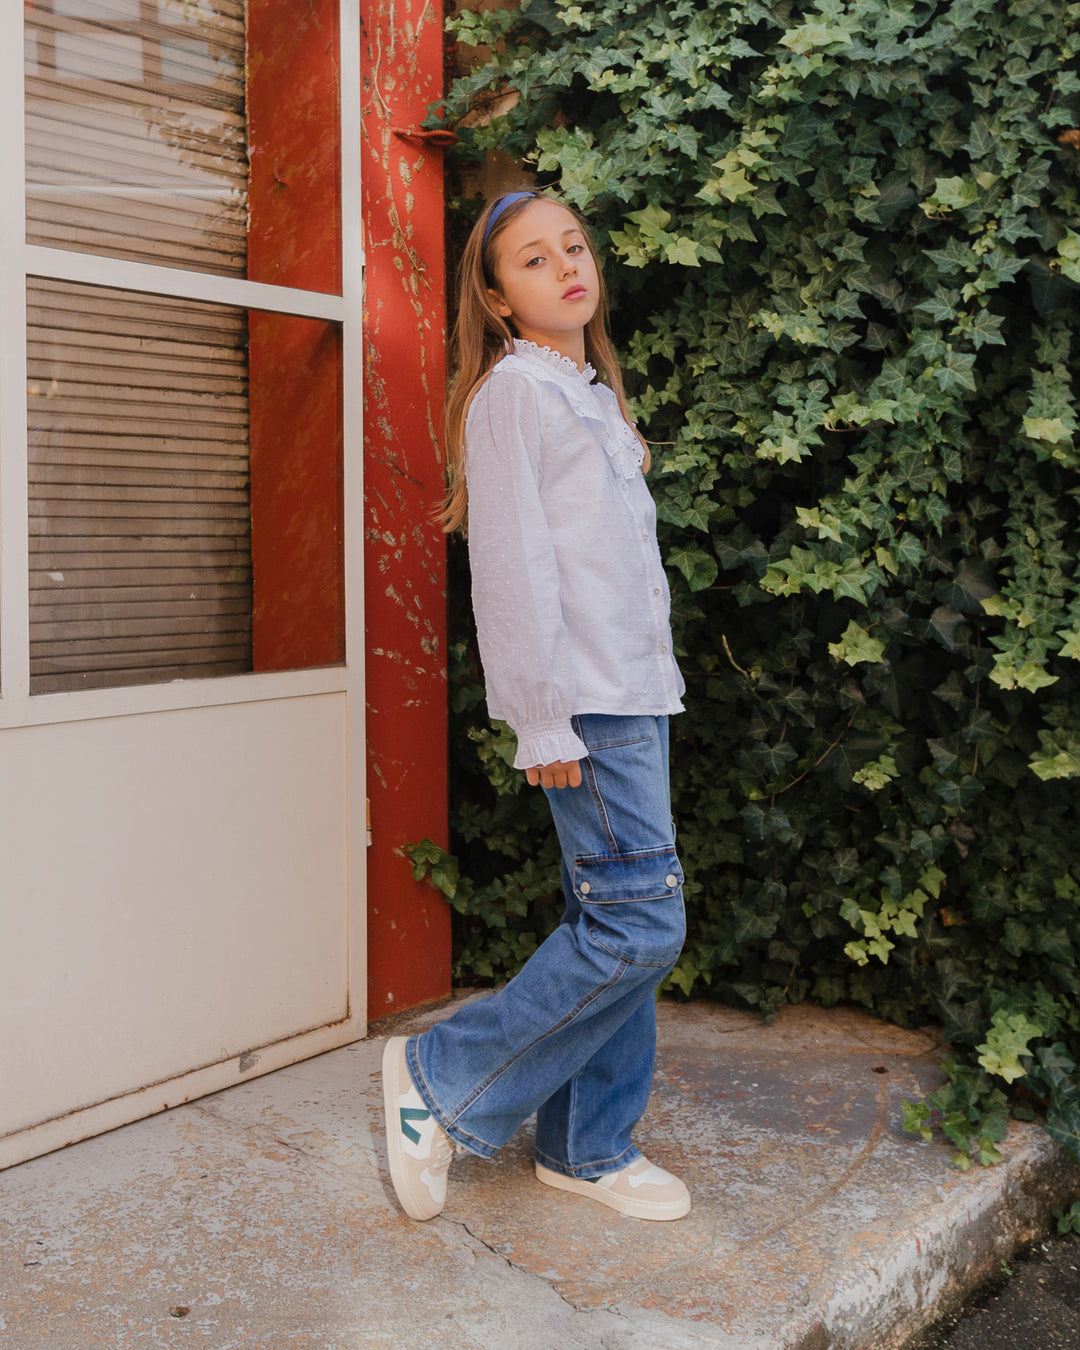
{"points": [[412, 1113]]}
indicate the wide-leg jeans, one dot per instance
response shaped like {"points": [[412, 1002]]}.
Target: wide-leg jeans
{"points": [[573, 1035]]}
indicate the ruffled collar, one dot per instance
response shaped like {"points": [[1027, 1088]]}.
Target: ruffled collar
{"points": [[555, 360], [590, 399]]}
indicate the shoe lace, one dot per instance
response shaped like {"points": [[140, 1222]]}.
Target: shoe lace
{"points": [[442, 1152]]}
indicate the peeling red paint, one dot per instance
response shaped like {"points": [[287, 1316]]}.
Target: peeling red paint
{"points": [[405, 315]]}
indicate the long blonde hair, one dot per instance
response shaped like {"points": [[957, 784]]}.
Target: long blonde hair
{"points": [[481, 338]]}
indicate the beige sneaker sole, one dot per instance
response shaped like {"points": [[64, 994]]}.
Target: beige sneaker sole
{"points": [[635, 1206]]}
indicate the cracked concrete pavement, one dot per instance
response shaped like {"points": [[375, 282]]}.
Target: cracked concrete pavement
{"points": [[261, 1218]]}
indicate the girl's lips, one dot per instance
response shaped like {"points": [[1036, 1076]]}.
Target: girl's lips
{"points": [[574, 293]]}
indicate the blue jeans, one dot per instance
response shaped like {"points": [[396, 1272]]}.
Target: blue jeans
{"points": [[573, 1034]]}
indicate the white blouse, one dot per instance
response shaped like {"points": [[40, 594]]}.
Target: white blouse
{"points": [[570, 597]]}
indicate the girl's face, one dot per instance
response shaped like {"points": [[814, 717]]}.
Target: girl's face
{"points": [[547, 282]]}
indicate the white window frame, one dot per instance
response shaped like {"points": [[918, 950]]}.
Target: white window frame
{"points": [[20, 261]]}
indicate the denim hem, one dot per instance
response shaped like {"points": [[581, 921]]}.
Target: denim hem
{"points": [[590, 1171], [568, 1019], [479, 1147]]}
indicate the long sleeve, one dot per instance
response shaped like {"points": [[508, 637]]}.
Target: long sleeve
{"points": [[524, 646]]}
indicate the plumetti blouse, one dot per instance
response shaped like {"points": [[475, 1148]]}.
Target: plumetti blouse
{"points": [[570, 597]]}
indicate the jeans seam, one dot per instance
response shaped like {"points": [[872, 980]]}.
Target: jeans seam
{"points": [[631, 900], [571, 1016], [657, 852], [572, 1113], [615, 745], [601, 809]]}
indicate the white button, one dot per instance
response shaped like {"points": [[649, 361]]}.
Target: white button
{"points": [[656, 590], [671, 880], [586, 888]]}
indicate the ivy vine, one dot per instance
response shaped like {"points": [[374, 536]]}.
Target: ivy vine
{"points": [[844, 245]]}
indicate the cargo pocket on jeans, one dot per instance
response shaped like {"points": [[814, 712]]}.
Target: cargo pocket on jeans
{"points": [[613, 879], [633, 905]]}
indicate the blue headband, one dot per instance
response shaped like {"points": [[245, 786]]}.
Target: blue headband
{"points": [[500, 207]]}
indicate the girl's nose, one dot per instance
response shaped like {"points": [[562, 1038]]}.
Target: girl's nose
{"points": [[569, 265]]}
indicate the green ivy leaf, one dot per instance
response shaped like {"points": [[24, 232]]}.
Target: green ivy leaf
{"points": [[844, 266], [1069, 256], [857, 645], [1006, 1042], [682, 250], [916, 1116], [955, 194], [699, 569], [1052, 429]]}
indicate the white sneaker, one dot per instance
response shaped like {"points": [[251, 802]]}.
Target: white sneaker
{"points": [[418, 1148], [641, 1190]]}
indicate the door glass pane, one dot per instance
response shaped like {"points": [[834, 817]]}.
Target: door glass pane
{"points": [[140, 517], [200, 134], [135, 131], [185, 504]]}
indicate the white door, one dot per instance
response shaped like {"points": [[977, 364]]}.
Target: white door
{"points": [[181, 735]]}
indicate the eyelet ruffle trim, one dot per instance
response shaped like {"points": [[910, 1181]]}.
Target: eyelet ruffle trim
{"points": [[592, 401], [555, 360], [627, 449]]}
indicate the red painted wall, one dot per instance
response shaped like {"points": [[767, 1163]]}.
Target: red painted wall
{"points": [[294, 239], [405, 594]]}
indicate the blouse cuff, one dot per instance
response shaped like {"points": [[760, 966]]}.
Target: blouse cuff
{"points": [[547, 743]]}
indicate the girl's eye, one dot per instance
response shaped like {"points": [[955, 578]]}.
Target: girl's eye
{"points": [[576, 248], [533, 261]]}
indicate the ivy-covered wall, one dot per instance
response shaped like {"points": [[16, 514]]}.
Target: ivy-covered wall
{"points": [[844, 245]]}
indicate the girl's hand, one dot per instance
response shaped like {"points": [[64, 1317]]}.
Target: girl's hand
{"points": [[558, 775]]}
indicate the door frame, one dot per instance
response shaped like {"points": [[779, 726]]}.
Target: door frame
{"points": [[19, 709]]}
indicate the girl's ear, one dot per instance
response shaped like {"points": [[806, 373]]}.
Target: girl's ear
{"points": [[502, 309]]}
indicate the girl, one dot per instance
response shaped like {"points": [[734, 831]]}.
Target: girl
{"points": [[571, 608]]}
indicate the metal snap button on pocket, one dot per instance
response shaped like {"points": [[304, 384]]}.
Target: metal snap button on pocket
{"points": [[671, 880], [585, 888]]}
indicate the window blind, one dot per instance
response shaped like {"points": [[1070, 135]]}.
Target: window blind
{"points": [[135, 130], [138, 410], [140, 525]]}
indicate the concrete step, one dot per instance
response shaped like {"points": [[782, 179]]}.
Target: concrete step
{"points": [[262, 1218]]}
